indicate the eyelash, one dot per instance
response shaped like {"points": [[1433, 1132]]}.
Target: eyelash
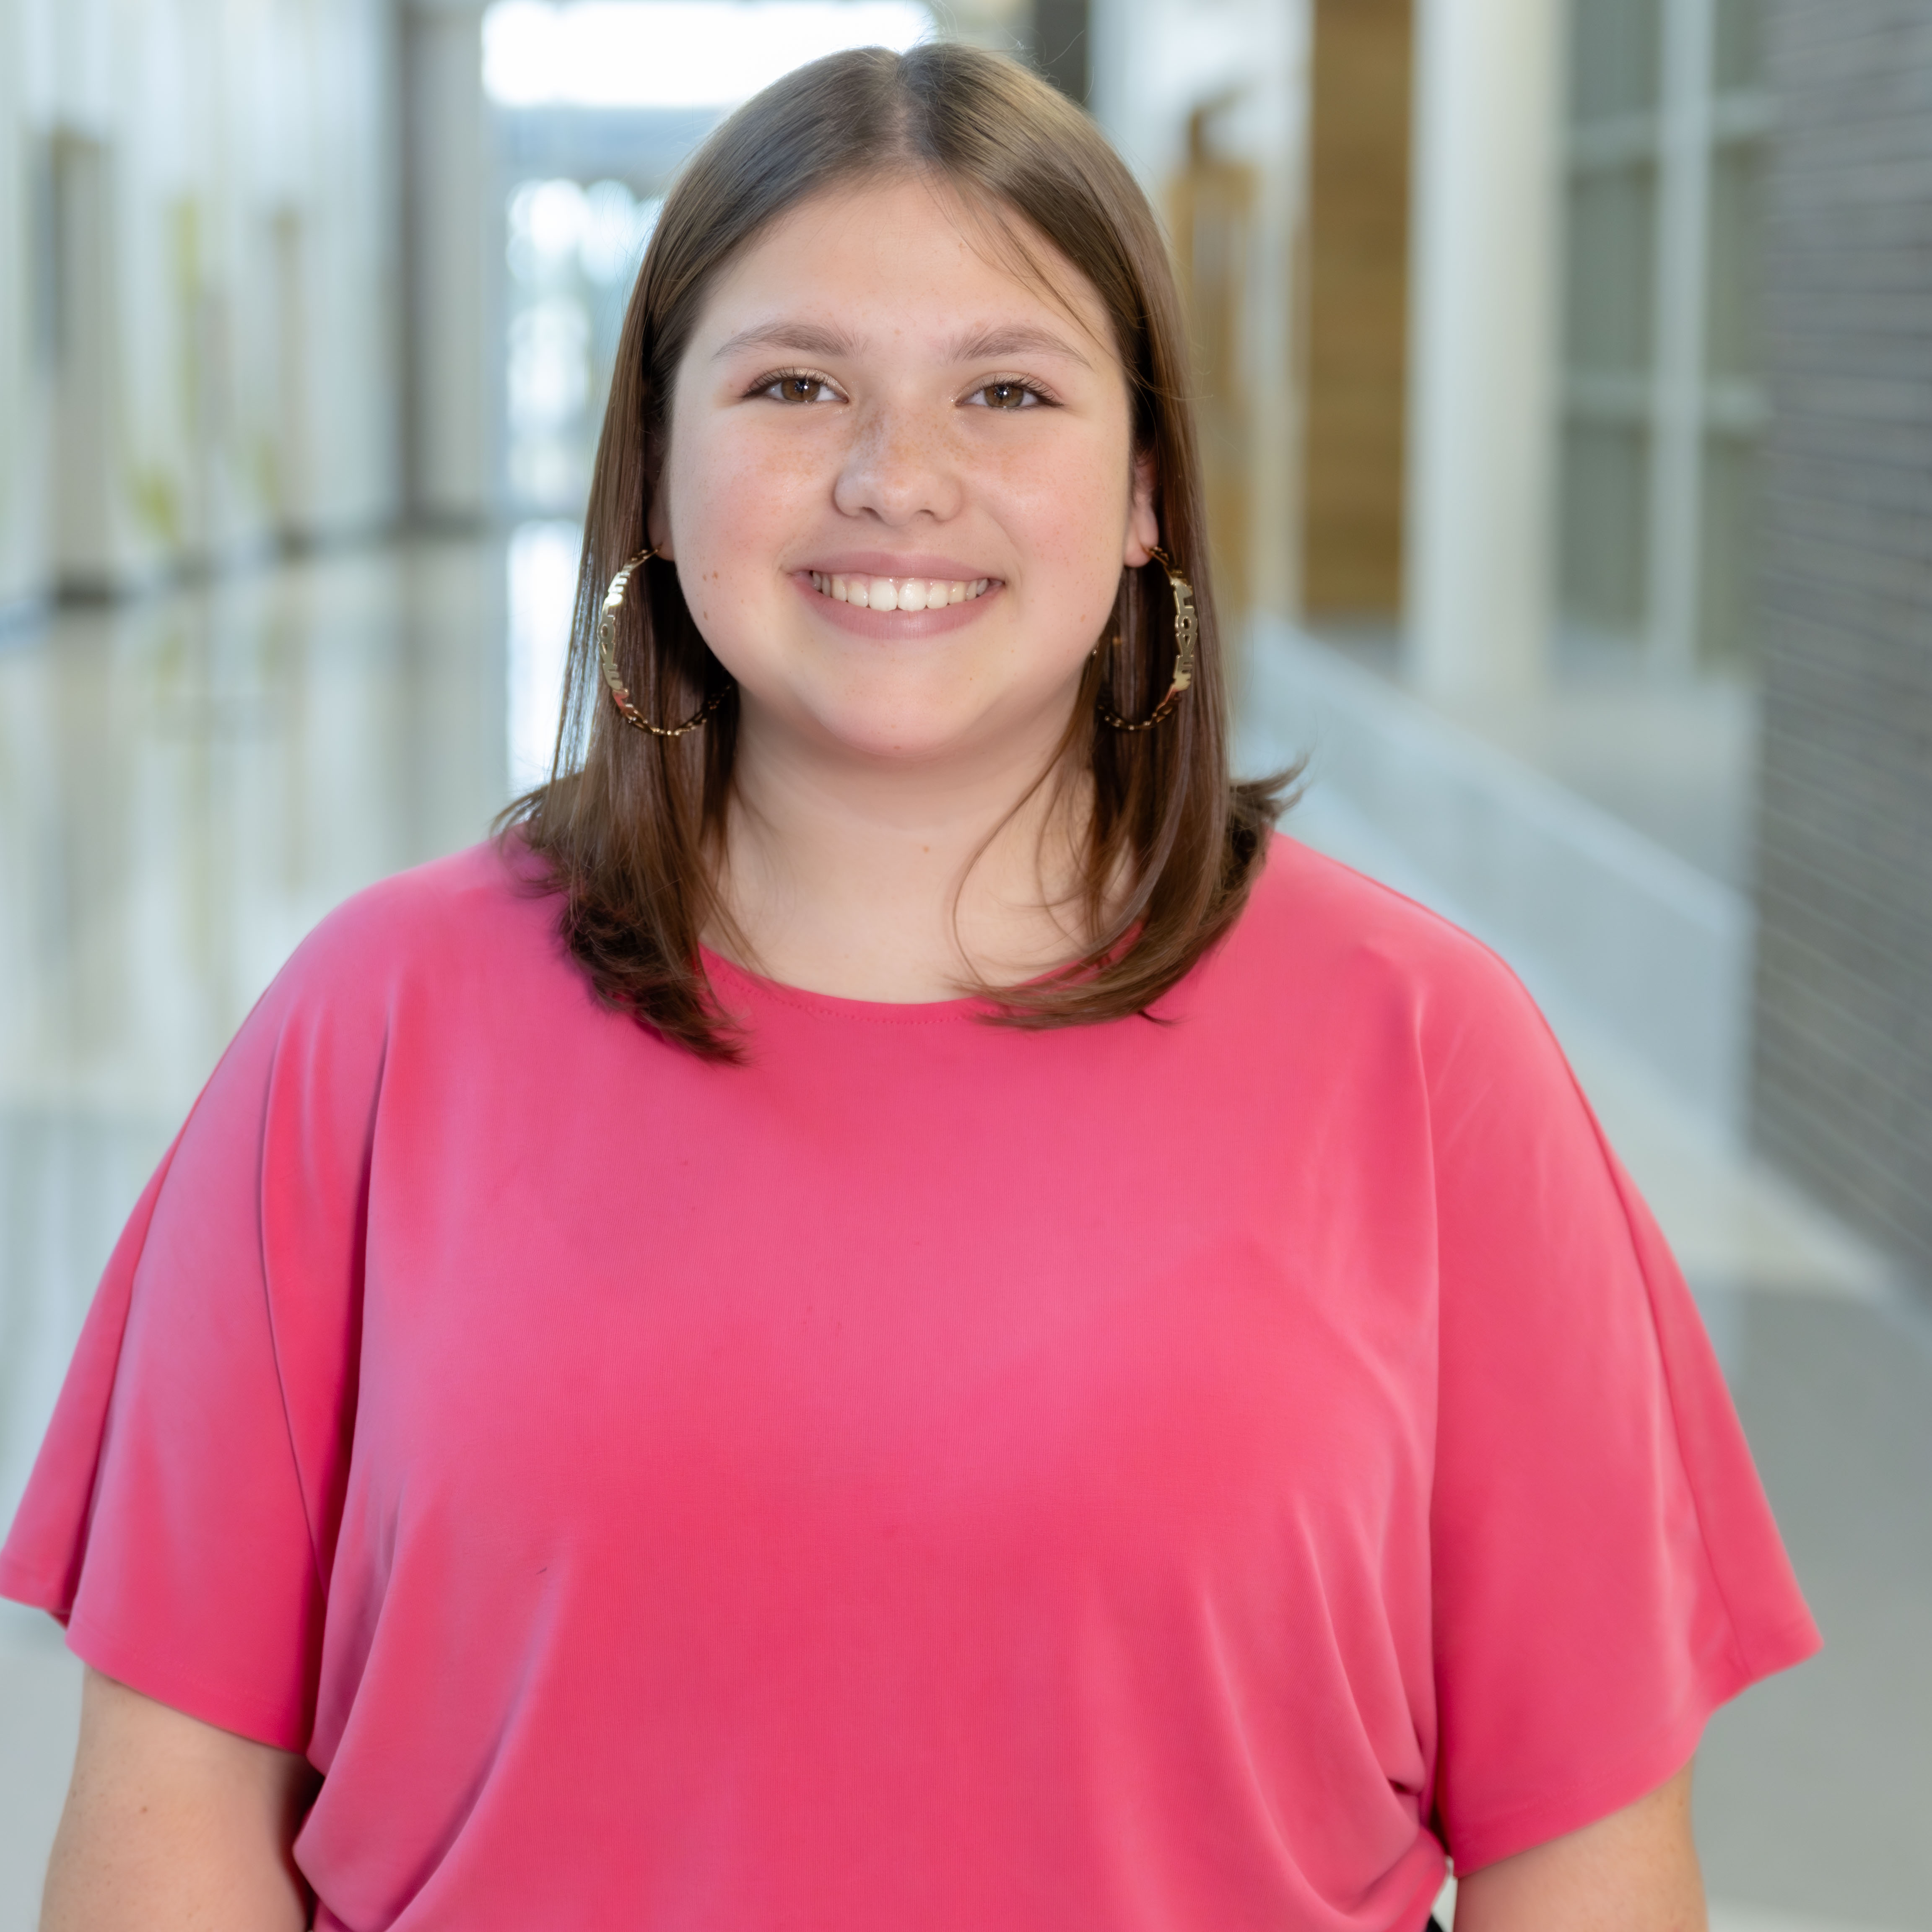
{"points": [[1019, 383], [766, 384]]}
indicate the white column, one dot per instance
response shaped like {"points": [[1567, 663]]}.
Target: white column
{"points": [[99, 186], [451, 233], [91, 549], [1482, 356], [25, 573], [339, 262]]}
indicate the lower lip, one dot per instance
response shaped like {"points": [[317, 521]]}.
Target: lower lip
{"points": [[889, 626]]}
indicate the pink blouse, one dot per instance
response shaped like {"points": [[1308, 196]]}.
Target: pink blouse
{"points": [[1184, 1472]]}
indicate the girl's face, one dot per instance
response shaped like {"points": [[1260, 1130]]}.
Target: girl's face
{"points": [[900, 487]]}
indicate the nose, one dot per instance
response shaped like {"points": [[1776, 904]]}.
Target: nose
{"points": [[900, 465]]}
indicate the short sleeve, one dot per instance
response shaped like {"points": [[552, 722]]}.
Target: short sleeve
{"points": [[181, 1516], [1605, 1568]]}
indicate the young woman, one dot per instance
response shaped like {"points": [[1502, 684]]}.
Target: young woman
{"points": [[887, 1315]]}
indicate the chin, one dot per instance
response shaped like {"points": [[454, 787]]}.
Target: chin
{"points": [[897, 738], [911, 731]]}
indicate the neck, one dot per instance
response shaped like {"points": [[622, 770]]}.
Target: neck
{"points": [[899, 883]]}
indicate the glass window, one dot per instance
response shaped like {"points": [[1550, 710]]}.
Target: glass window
{"points": [[1738, 56], [1730, 528], [1611, 266], [572, 252], [675, 53], [1614, 48], [1732, 301], [1603, 545], [1662, 404]]}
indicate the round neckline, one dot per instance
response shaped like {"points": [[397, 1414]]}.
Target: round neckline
{"points": [[838, 1006]]}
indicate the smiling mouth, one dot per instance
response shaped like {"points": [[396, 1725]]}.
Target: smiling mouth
{"points": [[899, 593]]}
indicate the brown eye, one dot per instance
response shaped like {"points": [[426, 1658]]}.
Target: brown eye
{"points": [[798, 388], [1006, 395]]}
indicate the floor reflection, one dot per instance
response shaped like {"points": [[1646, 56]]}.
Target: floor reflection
{"points": [[186, 784]]}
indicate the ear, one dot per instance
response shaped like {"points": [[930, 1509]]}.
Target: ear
{"points": [[657, 525], [1143, 526]]}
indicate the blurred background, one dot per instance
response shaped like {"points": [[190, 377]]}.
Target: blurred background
{"points": [[1563, 374]]}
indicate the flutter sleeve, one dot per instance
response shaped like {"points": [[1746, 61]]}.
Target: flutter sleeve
{"points": [[1605, 1568], [181, 1516]]}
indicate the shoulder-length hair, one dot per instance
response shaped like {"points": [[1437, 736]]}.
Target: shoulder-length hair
{"points": [[629, 826]]}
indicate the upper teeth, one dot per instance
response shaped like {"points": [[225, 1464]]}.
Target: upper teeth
{"points": [[897, 593]]}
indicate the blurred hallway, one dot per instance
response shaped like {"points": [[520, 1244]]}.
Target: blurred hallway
{"points": [[1560, 372], [187, 783]]}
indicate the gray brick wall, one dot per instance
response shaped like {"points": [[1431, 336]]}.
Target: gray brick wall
{"points": [[1842, 1052]]}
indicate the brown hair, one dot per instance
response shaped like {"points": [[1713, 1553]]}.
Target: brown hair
{"points": [[629, 824]]}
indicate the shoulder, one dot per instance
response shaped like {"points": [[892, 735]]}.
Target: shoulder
{"points": [[453, 950], [417, 986], [1328, 970], [486, 907], [1409, 1006], [489, 892], [1315, 929]]}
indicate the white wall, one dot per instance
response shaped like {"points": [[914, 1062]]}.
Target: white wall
{"points": [[1155, 61], [219, 258], [22, 373], [454, 323], [336, 266]]}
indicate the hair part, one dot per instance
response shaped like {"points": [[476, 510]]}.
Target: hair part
{"points": [[630, 827]]}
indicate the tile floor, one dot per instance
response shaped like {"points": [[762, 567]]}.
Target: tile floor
{"points": [[187, 783]]}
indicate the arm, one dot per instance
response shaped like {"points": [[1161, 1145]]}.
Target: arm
{"points": [[1634, 1871], [172, 1824]]}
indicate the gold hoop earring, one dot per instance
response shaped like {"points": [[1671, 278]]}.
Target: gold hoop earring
{"points": [[1186, 626], [606, 652]]}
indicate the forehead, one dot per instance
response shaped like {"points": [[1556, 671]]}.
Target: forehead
{"points": [[899, 257]]}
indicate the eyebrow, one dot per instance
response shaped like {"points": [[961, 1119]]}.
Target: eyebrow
{"points": [[1022, 339], [806, 338]]}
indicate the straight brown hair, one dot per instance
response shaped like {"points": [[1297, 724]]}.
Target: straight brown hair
{"points": [[629, 826]]}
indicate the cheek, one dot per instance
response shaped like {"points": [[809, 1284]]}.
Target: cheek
{"points": [[730, 499], [1072, 514], [731, 487], [1079, 488]]}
